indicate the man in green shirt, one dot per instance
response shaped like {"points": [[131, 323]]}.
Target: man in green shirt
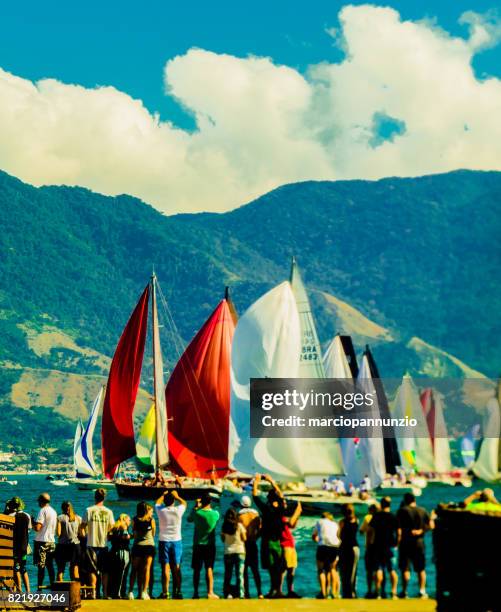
{"points": [[205, 520]]}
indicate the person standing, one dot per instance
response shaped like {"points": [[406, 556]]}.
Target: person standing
{"points": [[414, 522], [45, 539], [119, 557], [250, 519], [22, 526], [326, 535], [233, 535], [289, 553], [68, 544], [143, 549], [170, 543], [205, 519], [385, 536], [271, 516], [369, 550], [97, 523], [349, 552]]}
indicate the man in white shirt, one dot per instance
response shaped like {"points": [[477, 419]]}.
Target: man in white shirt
{"points": [[98, 521], [45, 546], [170, 544]]}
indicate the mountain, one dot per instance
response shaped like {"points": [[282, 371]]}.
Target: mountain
{"points": [[404, 264]]}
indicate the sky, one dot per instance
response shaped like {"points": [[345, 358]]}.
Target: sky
{"points": [[206, 106]]}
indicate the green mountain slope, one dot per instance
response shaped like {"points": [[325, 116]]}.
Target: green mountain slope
{"points": [[387, 261]]}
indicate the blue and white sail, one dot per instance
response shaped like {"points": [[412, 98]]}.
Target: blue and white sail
{"points": [[85, 466]]}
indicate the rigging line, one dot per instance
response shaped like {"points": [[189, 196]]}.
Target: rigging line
{"points": [[187, 379]]}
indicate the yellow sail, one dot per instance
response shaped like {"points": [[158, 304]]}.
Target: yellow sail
{"points": [[145, 444]]}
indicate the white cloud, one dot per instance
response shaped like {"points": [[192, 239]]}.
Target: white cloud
{"points": [[260, 125]]}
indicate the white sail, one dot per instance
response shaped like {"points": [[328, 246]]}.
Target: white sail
{"points": [[441, 447], [487, 466], [162, 451], [266, 343], [336, 366], [367, 456], [317, 456], [335, 361], [310, 356], [414, 444], [83, 450]]}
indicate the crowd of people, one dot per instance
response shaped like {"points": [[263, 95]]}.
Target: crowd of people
{"points": [[115, 558]]}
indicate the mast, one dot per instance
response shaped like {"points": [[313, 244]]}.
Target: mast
{"points": [[161, 448]]}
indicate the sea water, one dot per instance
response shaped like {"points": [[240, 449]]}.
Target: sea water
{"points": [[29, 487]]}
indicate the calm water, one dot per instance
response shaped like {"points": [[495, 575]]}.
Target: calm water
{"points": [[29, 487]]}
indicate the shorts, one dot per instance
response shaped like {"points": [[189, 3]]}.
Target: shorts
{"points": [[411, 551], [271, 554], [327, 554], [290, 557], [170, 552], [43, 552], [203, 554], [67, 553], [385, 559], [142, 551], [96, 558]]}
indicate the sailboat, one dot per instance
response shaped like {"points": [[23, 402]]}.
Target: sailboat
{"points": [[86, 471], [118, 438], [434, 414], [276, 338], [487, 465], [415, 448], [391, 454]]}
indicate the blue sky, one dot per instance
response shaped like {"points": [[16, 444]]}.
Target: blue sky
{"points": [[263, 94], [126, 43]]}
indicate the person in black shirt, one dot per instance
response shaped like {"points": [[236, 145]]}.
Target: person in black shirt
{"points": [[22, 526], [272, 512], [386, 536], [349, 552], [414, 522]]}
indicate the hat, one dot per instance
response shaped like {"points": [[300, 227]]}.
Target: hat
{"points": [[246, 501]]}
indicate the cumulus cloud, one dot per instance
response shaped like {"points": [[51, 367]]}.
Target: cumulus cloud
{"points": [[260, 125]]}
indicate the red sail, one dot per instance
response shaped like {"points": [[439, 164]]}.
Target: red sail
{"points": [[198, 399], [117, 427], [428, 405]]}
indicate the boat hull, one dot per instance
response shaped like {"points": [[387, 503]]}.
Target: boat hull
{"points": [[133, 490], [89, 484], [316, 504], [398, 491]]}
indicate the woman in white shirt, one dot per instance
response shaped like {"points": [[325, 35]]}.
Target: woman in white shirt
{"points": [[326, 534], [233, 535]]}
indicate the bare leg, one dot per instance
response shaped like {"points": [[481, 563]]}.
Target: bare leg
{"points": [[406, 576], [147, 571], [26, 581], [394, 582], [209, 576], [422, 581], [165, 578]]}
